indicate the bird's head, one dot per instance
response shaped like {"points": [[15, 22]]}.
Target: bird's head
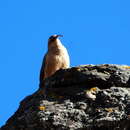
{"points": [[54, 40], [54, 37]]}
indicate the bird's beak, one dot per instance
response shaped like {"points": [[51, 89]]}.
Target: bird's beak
{"points": [[59, 36]]}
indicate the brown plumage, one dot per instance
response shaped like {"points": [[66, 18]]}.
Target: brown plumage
{"points": [[56, 58]]}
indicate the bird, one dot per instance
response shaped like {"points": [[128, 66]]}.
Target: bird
{"points": [[56, 58]]}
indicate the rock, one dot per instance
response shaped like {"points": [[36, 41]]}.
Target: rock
{"points": [[89, 97]]}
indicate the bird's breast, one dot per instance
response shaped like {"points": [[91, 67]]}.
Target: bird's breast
{"points": [[56, 58], [59, 58]]}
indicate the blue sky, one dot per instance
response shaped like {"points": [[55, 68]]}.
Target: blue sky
{"points": [[95, 32]]}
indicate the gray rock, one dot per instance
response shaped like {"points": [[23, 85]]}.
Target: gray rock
{"points": [[90, 97]]}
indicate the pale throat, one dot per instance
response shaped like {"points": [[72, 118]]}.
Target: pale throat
{"points": [[55, 45]]}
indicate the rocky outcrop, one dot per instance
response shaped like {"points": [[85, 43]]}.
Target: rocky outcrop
{"points": [[90, 97]]}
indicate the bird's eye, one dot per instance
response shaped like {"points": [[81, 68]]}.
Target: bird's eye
{"points": [[52, 37]]}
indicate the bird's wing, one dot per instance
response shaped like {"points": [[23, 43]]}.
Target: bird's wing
{"points": [[42, 68]]}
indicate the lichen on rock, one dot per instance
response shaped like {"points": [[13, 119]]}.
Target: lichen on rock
{"points": [[89, 97]]}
